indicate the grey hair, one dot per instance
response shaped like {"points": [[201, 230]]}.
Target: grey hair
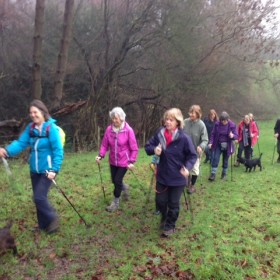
{"points": [[117, 111], [224, 116]]}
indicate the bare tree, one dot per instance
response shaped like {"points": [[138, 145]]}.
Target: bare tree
{"points": [[37, 49], [63, 53]]}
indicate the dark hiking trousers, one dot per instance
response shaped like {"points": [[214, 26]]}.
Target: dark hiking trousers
{"points": [[168, 203], [45, 212], [247, 150], [117, 174]]}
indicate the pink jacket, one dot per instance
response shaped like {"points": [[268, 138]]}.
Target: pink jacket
{"points": [[122, 146], [253, 130]]}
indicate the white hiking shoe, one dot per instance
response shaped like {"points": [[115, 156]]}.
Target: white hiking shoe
{"points": [[125, 192], [113, 206]]}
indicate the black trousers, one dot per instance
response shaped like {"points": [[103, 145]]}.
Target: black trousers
{"points": [[247, 150], [168, 203], [117, 174]]}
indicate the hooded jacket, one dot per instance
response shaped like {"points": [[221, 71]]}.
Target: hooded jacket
{"points": [[180, 152], [214, 139], [122, 145], [46, 150], [252, 130]]}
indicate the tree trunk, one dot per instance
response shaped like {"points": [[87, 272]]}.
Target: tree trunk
{"points": [[63, 53], [37, 49]]}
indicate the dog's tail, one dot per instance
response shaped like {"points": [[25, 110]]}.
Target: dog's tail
{"points": [[261, 155]]}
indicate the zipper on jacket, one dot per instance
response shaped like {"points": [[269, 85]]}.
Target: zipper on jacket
{"points": [[116, 149], [36, 156]]}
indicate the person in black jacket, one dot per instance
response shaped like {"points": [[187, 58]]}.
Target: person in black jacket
{"points": [[277, 136], [209, 123], [177, 156]]}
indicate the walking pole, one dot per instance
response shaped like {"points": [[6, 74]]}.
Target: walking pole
{"points": [[6, 165], [231, 168], [102, 186], [141, 185], [274, 151], [188, 202], [259, 148], [62, 192]]}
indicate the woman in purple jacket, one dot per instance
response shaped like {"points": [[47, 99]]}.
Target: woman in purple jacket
{"points": [[177, 157], [119, 139], [222, 142]]}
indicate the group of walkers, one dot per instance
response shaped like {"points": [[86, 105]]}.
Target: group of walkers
{"points": [[177, 148]]}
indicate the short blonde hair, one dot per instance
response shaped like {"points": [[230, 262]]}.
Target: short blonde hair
{"points": [[197, 110], [176, 114]]}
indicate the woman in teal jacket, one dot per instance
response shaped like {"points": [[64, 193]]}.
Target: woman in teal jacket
{"points": [[46, 154]]}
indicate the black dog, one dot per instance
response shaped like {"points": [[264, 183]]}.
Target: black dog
{"points": [[251, 163], [7, 241]]}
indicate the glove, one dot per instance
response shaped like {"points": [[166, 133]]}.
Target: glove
{"points": [[98, 159]]}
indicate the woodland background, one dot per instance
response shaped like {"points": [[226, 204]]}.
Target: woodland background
{"points": [[84, 57]]}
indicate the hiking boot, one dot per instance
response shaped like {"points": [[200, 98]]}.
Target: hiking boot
{"points": [[168, 233], [237, 164], [212, 177], [191, 189], [113, 207], [125, 193], [53, 226], [224, 176]]}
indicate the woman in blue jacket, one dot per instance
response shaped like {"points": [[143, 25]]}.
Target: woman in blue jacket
{"points": [[177, 157], [46, 154]]}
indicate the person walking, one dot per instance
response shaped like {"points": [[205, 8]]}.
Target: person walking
{"points": [[176, 157], [196, 129], [119, 139], [46, 154], [222, 142], [209, 122], [277, 136], [252, 120], [247, 138]]}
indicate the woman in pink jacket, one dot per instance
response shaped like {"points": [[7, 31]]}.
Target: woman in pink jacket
{"points": [[119, 139], [247, 138]]}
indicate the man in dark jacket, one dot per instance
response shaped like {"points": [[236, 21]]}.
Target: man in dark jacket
{"points": [[277, 136]]}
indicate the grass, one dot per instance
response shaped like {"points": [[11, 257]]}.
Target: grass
{"points": [[235, 233]]}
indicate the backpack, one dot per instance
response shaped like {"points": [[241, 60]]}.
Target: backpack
{"points": [[61, 133]]}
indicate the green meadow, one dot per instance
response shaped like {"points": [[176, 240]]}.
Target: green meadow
{"points": [[231, 232]]}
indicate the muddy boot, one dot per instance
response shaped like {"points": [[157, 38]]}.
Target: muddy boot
{"points": [[53, 226], [191, 189], [224, 176], [113, 206], [212, 177], [125, 192]]}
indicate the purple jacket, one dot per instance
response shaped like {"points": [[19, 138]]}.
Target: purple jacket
{"points": [[215, 136], [122, 146]]}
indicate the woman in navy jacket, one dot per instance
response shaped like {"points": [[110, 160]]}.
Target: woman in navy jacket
{"points": [[177, 157], [46, 154]]}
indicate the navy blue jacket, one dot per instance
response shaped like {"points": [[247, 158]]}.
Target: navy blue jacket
{"points": [[180, 152]]}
